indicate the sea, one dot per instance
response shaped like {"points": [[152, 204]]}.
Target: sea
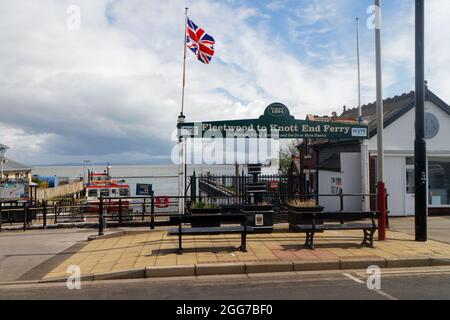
{"points": [[164, 178]]}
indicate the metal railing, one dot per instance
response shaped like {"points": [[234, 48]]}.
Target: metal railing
{"points": [[140, 211]]}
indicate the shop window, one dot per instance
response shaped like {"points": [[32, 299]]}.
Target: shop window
{"points": [[439, 181]]}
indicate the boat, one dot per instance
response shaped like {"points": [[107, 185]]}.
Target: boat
{"points": [[102, 185]]}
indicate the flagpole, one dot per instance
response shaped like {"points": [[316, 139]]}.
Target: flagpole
{"points": [[184, 60], [182, 142]]}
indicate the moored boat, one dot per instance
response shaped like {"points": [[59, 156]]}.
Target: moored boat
{"points": [[102, 185]]}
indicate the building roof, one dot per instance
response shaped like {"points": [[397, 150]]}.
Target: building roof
{"points": [[394, 108], [11, 165]]}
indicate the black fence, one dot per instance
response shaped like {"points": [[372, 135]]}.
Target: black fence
{"points": [[279, 189], [227, 192]]}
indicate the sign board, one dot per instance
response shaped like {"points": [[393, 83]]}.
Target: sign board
{"points": [[143, 189], [276, 122], [13, 191], [259, 220]]}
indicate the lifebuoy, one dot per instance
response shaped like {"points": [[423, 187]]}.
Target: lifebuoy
{"points": [[162, 202]]}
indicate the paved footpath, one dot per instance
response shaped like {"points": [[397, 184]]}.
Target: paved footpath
{"points": [[28, 255], [157, 248], [438, 227]]}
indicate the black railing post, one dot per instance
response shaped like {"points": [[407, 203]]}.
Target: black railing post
{"points": [[100, 218], [193, 187], [152, 218], [341, 200], [56, 214], [1, 216], [44, 213], [143, 209], [120, 211], [25, 216]]}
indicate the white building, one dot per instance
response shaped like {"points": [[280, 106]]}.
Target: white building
{"points": [[340, 162]]}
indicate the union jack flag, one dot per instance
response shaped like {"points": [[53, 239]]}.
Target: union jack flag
{"points": [[200, 43]]}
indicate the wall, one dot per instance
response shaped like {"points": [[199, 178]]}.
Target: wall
{"points": [[351, 182], [49, 193], [399, 136], [329, 203], [395, 178], [399, 142]]}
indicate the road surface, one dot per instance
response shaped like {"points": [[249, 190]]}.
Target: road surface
{"points": [[411, 283]]}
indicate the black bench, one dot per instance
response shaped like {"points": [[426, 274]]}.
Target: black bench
{"points": [[318, 222], [239, 219]]}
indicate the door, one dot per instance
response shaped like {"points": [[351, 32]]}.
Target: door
{"points": [[410, 187]]}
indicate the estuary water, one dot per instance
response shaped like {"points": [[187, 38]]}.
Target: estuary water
{"points": [[163, 177]]}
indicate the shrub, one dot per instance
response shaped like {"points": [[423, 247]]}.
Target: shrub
{"points": [[303, 204]]}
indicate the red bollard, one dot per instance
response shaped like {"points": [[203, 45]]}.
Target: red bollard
{"points": [[381, 206]]}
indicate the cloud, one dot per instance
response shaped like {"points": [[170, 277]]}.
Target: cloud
{"points": [[277, 5], [112, 90]]}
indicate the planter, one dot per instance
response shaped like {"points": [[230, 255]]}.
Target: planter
{"points": [[260, 218], [295, 216], [206, 224]]}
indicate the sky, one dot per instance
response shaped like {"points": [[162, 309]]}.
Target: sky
{"points": [[110, 90]]}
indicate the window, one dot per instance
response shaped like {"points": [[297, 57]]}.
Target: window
{"points": [[104, 193], [309, 149], [92, 193], [124, 192], [439, 181], [336, 185]]}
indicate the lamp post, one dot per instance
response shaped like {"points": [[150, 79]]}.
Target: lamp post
{"points": [[420, 146]]}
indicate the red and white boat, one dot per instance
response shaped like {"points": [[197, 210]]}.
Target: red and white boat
{"points": [[102, 185]]}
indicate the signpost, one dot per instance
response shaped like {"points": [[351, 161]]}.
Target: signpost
{"points": [[276, 122]]}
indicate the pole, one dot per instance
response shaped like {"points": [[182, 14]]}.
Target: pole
{"points": [[420, 147], [359, 71], [152, 212], [181, 118], [184, 59], [380, 125], [101, 220], [44, 213], [365, 202]]}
